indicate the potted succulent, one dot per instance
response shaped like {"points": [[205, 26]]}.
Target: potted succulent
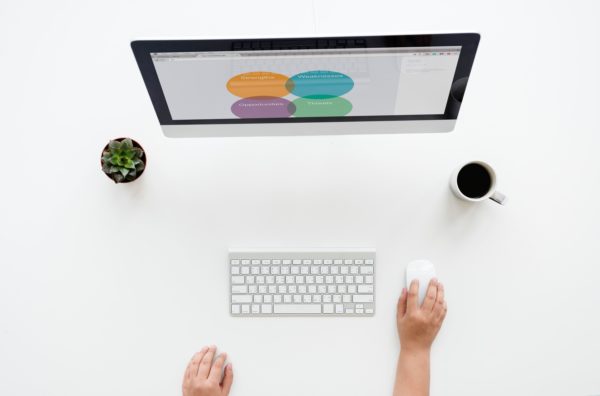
{"points": [[123, 160]]}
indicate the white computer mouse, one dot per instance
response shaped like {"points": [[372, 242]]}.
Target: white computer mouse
{"points": [[422, 270]]}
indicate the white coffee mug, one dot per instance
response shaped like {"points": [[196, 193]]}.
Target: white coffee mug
{"points": [[492, 194]]}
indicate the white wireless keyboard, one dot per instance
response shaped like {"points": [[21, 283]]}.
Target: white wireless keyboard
{"points": [[317, 283]]}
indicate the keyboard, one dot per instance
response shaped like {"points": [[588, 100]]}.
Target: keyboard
{"points": [[312, 282]]}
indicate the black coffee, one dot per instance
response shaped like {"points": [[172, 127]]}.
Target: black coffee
{"points": [[474, 181]]}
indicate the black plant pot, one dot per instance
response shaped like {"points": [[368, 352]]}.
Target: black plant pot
{"points": [[144, 159]]}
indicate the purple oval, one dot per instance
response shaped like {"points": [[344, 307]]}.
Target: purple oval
{"points": [[263, 107]]}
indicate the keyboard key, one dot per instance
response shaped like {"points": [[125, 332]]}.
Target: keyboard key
{"points": [[241, 298], [245, 270], [327, 308], [235, 262], [239, 289], [369, 262], [235, 270], [266, 308], [368, 279], [339, 308], [235, 309], [365, 288], [245, 262], [362, 298], [306, 262], [266, 262], [348, 262], [255, 262], [245, 309], [255, 308], [327, 262], [297, 308], [237, 280], [258, 298], [286, 262], [366, 269], [252, 289]]}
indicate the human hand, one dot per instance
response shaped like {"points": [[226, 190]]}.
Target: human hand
{"points": [[203, 377], [418, 325]]}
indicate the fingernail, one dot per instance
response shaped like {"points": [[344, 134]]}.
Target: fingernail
{"points": [[230, 367], [204, 348], [224, 354]]}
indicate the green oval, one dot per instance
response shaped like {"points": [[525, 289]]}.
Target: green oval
{"points": [[330, 107]]}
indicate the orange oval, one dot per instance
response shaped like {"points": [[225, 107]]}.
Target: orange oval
{"points": [[258, 83]]}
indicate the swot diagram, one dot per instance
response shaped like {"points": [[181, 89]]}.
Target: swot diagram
{"points": [[319, 94]]}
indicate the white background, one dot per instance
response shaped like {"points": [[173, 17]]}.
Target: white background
{"points": [[108, 289]]}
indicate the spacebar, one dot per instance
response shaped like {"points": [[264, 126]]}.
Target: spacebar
{"points": [[297, 308]]}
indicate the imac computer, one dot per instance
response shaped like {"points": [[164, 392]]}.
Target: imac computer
{"points": [[307, 86]]}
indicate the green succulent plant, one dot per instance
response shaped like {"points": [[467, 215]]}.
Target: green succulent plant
{"points": [[122, 161]]}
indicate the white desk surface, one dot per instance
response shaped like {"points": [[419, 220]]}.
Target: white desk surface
{"points": [[108, 290]]}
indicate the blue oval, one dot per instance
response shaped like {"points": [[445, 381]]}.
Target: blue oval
{"points": [[320, 84]]}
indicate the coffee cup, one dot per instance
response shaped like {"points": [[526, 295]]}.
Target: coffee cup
{"points": [[475, 181]]}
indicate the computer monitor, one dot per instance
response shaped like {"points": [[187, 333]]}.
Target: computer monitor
{"points": [[307, 86]]}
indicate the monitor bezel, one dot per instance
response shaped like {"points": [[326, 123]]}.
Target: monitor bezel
{"points": [[142, 50]]}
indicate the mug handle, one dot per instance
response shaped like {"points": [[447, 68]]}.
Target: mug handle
{"points": [[498, 197]]}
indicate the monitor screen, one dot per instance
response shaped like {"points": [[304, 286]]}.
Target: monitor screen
{"points": [[253, 86], [306, 83]]}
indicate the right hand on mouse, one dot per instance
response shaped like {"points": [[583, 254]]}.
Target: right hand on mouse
{"points": [[203, 376], [418, 325]]}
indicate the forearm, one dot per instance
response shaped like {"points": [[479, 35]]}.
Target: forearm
{"points": [[412, 374]]}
